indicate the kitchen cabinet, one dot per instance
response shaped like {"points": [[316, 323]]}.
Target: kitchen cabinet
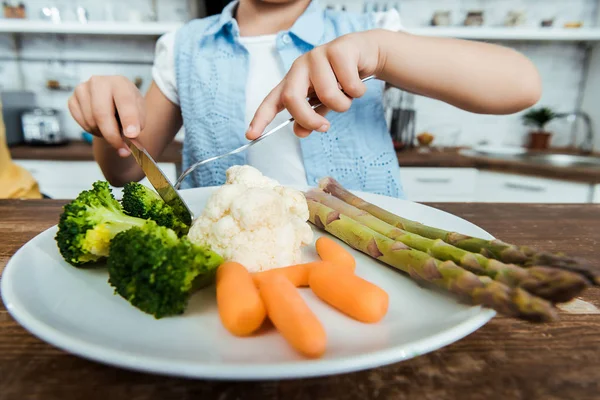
{"points": [[66, 179], [501, 188], [439, 184], [473, 185]]}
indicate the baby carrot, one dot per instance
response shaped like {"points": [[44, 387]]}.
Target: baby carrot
{"points": [[331, 251], [297, 274], [240, 307], [292, 317], [350, 294]]}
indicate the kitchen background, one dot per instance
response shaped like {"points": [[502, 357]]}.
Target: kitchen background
{"points": [[60, 43]]}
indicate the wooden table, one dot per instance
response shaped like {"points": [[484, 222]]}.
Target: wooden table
{"points": [[506, 359]]}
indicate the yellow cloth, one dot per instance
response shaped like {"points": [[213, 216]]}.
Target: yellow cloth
{"points": [[15, 182]]}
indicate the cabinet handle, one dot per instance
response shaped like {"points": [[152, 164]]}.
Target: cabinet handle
{"points": [[529, 188], [434, 180]]}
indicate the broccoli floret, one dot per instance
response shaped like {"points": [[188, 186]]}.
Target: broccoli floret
{"points": [[139, 201], [89, 223], [156, 271]]}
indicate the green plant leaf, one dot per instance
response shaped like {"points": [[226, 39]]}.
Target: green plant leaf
{"points": [[539, 117]]}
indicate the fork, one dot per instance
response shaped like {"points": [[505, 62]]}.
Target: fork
{"points": [[247, 145]]}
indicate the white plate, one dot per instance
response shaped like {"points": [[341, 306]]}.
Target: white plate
{"points": [[77, 311], [500, 150]]}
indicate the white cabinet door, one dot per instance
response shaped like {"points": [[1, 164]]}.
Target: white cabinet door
{"points": [[439, 184], [597, 194], [66, 179], [509, 188]]}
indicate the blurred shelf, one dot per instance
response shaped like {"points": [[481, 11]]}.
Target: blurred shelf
{"points": [[91, 28], [159, 28], [524, 34]]}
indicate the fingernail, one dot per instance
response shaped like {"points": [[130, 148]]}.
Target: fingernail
{"points": [[131, 131], [323, 128], [123, 152]]}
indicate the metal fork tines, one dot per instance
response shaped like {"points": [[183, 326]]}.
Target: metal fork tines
{"points": [[244, 147]]}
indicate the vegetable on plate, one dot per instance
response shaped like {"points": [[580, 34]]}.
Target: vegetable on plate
{"points": [[89, 223], [496, 249], [254, 221], [552, 284], [335, 253], [240, 306], [297, 274], [292, 317], [423, 267], [349, 293], [142, 202], [156, 271]]}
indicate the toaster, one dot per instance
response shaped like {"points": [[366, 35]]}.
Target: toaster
{"points": [[42, 126]]}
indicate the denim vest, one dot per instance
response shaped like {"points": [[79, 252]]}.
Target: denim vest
{"points": [[211, 70]]}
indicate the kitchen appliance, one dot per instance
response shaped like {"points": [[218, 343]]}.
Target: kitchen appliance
{"points": [[403, 121], [42, 126], [13, 104]]}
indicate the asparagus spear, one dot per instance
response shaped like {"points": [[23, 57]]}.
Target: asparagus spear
{"points": [[422, 267], [549, 283], [497, 249]]}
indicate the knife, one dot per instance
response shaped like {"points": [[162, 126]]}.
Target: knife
{"points": [[159, 180]]}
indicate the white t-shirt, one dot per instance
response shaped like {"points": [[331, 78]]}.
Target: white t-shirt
{"points": [[280, 156]]}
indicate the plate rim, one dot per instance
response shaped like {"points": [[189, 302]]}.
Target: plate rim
{"points": [[231, 371]]}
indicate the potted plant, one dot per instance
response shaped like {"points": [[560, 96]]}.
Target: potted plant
{"points": [[538, 118]]}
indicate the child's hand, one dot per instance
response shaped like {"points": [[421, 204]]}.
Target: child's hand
{"points": [[94, 105], [324, 71]]}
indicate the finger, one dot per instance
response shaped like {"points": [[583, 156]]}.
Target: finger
{"points": [[82, 95], [126, 102], [76, 113], [325, 83], [347, 73], [265, 113], [303, 132], [293, 98], [103, 109]]}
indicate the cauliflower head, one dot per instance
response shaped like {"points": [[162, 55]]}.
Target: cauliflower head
{"points": [[255, 221]]}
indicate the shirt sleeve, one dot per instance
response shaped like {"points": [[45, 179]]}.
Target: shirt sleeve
{"points": [[389, 20], [163, 70]]}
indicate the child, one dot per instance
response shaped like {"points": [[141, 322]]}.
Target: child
{"points": [[212, 75]]}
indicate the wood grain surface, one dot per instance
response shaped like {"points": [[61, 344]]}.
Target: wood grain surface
{"points": [[506, 359]]}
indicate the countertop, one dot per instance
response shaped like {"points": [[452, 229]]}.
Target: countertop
{"points": [[506, 359], [448, 158], [451, 158], [80, 151]]}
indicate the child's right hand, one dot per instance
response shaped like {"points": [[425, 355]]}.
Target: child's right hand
{"points": [[96, 103]]}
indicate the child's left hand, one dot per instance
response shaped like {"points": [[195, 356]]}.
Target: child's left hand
{"points": [[325, 71]]}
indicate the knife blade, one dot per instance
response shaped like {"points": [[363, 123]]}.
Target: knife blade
{"points": [[159, 180]]}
